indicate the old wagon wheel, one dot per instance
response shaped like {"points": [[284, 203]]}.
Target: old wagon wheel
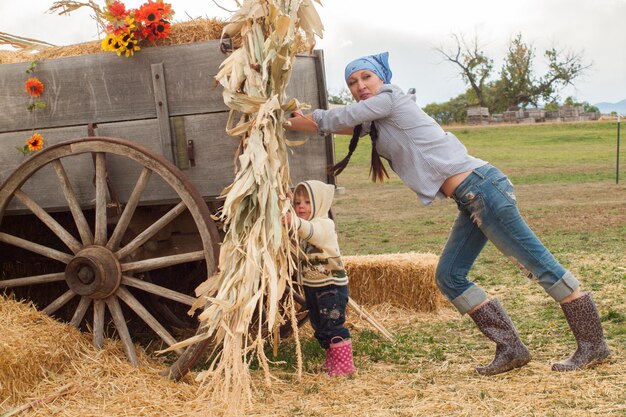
{"points": [[98, 267]]}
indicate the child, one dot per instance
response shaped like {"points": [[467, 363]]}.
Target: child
{"points": [[435, 164], [323, 277]]}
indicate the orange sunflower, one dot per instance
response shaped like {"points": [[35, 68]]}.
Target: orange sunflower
{"points": [[34, 87], [35, 142]]}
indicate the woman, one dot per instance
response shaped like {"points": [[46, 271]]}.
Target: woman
{"points": [[435, 164]]}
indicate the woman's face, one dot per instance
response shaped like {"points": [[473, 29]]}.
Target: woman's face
{"points": [[364, 84]]}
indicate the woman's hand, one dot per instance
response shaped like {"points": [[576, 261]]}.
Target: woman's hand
{"points": [[299, 122]]}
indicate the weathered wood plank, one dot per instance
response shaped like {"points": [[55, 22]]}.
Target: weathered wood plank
{"points": [[104, 87], [162, 110], [214, 156]]}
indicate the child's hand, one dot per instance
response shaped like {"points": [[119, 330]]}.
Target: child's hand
{"points": [[287, 219]]}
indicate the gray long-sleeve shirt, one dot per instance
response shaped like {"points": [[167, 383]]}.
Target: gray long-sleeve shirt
{"points": [[417, 148]]}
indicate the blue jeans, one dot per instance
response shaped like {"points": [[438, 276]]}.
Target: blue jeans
{"points": [[327, 312], [488, 211]]}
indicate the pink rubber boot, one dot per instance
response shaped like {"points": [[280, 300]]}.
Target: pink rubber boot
{"points": [[341, 361], [328, 363]]}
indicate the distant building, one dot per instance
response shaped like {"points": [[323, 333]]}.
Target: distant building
{"points": [[480, 115]]}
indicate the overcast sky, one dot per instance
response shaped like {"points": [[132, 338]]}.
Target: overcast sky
{"points": [[410, 31]]}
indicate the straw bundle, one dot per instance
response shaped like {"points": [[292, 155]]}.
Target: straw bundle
{"points": [[256, 261], [51, 368], [9, 57], [29, 350], [196, 30], [402, 279]]}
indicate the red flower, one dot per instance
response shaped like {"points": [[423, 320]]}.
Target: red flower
{"points": [[117, 9], [157, 30], [34, 143], [152, 12], [34, 87]]}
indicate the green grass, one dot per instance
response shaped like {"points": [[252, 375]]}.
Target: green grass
{"points": [[531, 154]]}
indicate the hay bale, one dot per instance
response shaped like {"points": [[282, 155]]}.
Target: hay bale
{"points": [[196, 30], [403, 279], [8, 57], [32, 345], [53, 369]]}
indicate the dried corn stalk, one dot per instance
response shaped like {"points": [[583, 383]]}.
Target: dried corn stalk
{"points": [[256, 264], [23, 44]]}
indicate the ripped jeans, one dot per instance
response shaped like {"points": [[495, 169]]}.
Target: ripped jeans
{"points": [[327, 312], [488, 211]]}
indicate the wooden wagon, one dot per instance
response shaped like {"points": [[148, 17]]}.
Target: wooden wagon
{"points": [[109, 226]]}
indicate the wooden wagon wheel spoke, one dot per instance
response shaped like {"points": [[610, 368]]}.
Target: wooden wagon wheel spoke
{"points": [[32, 280], [122, 330], [162, 262], [59, 302], [100, 237], [79, 218], [148, 318], [157, 290], [35, 247], [151, 231], [52, 224], [80, 312], [129, 210], [98, 323]]}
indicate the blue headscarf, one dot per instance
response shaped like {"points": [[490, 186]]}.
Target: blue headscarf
{"points": [[378, 64]]}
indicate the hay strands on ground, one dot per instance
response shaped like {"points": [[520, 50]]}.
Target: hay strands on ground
{"points": [[367, 316], [64, 390]]}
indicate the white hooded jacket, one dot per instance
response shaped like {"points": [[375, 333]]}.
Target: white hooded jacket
{"points": [[319, 239]]}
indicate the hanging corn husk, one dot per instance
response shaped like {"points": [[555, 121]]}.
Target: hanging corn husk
{"points": [[246, 299]]}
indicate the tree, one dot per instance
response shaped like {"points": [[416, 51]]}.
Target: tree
{"points": [[343, 97], [552, 106], [453, 111], [588, 108], [475, 66], [563, 68], [516, 85]]}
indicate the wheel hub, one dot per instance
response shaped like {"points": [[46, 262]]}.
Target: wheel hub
{"points": [[94, 272]]}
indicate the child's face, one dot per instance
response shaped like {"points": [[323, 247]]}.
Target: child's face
{"points": [[302, 205]]}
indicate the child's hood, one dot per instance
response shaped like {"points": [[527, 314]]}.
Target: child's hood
{"points": [[321, 196]]}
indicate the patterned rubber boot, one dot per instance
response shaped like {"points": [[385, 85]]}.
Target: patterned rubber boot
{"points": [[511, 352], [584, 320], [328, 363], [340, 352]]}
